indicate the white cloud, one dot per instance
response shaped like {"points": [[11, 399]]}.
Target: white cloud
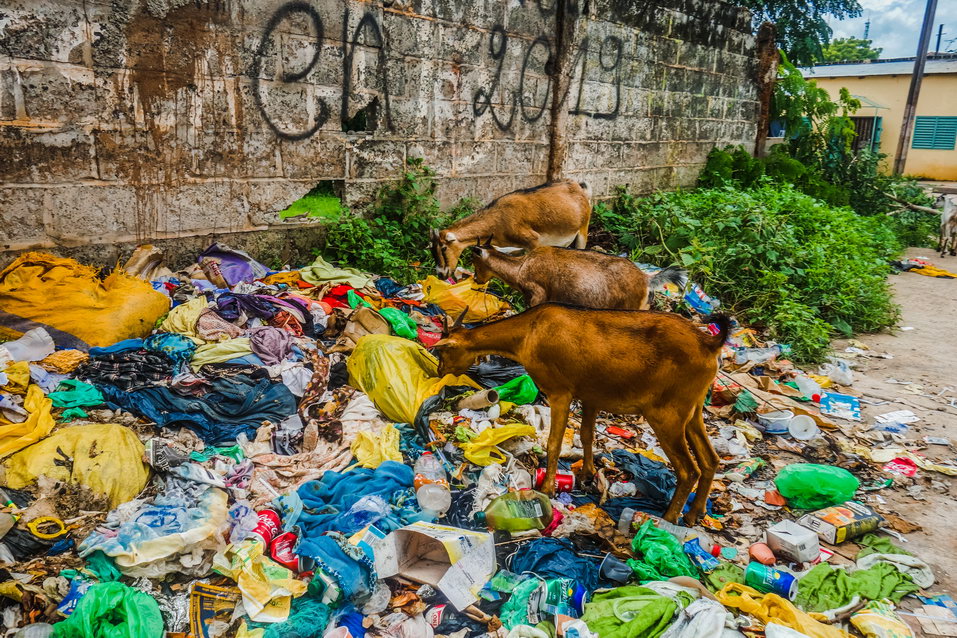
{"points": [[895, 25]]}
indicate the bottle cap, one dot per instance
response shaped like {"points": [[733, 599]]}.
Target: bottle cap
{"points": [[480, 518]]}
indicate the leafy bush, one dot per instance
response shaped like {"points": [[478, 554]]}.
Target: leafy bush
{"points": [[773, 255], [393, 237]]}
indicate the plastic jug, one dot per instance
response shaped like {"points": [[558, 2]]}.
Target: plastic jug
{"points": [[517, 512], [432, 484]]}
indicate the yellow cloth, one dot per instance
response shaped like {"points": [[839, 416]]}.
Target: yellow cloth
{"points": [[267, 587], [454, 298], [62, 294], [107, 458], [397, 374], [64, 361], [220, 352], [934, 271], [321, 272], [16, 436], [482, 450], [18, 377], [770, 608], [372, 449], [182, 319]]}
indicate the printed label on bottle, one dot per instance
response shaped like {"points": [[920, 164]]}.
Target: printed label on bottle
{"points": [[525, 509]]}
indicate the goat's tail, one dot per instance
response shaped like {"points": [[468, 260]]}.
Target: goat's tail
{"points": [[585, 187], [723, 322], [669, 275]]}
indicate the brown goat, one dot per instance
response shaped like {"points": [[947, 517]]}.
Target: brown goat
{"points": [[659, 365], [553, 214], [578, 277]]}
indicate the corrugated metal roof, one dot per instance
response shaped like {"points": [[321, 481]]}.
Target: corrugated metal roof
{"points": [[882, 67]]}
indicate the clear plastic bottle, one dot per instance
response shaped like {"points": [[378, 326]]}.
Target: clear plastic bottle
{"points": [[517, 512], [432, 484], [758, 355], [809, 387]]}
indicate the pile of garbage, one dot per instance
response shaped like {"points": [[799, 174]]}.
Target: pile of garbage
{"points": [[229, 450]]}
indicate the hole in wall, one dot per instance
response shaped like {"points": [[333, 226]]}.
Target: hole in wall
{"points": [[323, 201]]}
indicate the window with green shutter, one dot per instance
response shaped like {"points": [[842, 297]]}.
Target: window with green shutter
{"points": [[938, 133]]}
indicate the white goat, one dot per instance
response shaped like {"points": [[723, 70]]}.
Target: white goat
{"points": [[948, 224]]}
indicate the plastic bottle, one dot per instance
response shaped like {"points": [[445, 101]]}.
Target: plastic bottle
{"points": [[36, 630], [809, 387], [432, 484], [517, 512], [758, 355], [368, 510]]}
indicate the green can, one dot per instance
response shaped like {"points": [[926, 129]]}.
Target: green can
{"points": [[771, 581]]}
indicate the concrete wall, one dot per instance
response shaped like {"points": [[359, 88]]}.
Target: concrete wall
{"points": [[123, 121], [938, 96]]}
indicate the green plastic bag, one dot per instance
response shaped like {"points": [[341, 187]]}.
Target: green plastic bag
{"points": [[520, 390], [662, 556], [402, 324], [810, 486], [112, 610]]}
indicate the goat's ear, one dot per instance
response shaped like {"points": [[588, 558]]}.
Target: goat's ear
{"points": [[461, 319], [478, 251]]}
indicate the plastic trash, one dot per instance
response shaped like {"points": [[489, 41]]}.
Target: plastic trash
{"points": [[36, 630], [112, 610], [812, 486], [803, 428], [809, 387], [843, 406], [838, 371], [760, 355], [517, 512], [368, 510], [431, 484], [520, 390], [776, 422], [34, 345]]}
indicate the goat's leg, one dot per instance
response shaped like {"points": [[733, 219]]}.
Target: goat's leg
{"points": [[707, 462], [587, 433], [953, 244], [669, 427], [559, 406]]}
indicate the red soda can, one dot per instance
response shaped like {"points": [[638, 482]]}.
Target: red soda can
{"points": [[281, 551], [268, 526], [564, 481]]}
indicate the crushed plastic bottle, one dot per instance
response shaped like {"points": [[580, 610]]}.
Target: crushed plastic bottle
{"points": [[810, 388], [368, 510], [432, 485], [760, 355], [517, 512]]}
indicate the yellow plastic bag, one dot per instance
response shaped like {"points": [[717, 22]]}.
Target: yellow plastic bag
{"points": [[107, 458], [267, 587], [771, 607], [454, 298], [77, 309], [372, 449], [483, 450], [879, 620], [397, 374], [16, 436]]}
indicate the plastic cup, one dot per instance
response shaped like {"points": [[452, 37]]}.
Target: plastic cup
{"points": [[803, 428]]}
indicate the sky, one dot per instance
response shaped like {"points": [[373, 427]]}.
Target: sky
{"points": [[895, 25]]}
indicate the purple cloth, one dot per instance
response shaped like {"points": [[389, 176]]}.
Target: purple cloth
{"points": [[272, 345]]}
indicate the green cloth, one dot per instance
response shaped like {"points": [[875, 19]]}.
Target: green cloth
{"points": [[745, 403], [234, 452], [402, 324], [662, 556], [112, 610], [307, 617], [220, 352], [826, 587], [722, 575], [354, 300], [73, 413], [629, 612], [520, 390], [73, 394], [874, 544], [321, 272]]}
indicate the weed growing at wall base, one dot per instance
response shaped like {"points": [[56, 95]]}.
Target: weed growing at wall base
{"points": [[778, 258]]}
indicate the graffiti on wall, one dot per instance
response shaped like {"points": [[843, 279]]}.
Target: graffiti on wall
{"points": [[507, 96]]}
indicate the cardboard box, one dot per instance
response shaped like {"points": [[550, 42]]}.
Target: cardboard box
{"points": [[789, 540], [457, 562], [842, 522]]}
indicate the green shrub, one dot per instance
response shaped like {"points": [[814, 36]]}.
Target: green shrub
{"points": [[776, 257], [392, 238]]}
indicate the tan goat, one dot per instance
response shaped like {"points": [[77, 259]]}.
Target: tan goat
{"points": [[553, 214]]}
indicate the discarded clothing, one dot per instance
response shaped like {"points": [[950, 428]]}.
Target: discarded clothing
{"points": [[63, 361], [182, 319], [211, 327], [232, 305], [321, 271], [653, 479], [825, 587], [629, 612], [72, 393], [229, 266], [234, 405], [272, 345], [129, 370], [39, 423], [555, 558], [220, 352], [371, 449], [179, 348]]}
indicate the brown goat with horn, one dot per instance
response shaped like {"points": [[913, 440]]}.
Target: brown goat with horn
{"points": [[659, 365], [553, 214], [578, 277]]}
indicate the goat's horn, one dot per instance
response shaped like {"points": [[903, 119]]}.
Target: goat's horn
{"points": [[458, 322]]}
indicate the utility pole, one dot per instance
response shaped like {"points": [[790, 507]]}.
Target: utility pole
{"points": [[940, 34], [914, 93]]}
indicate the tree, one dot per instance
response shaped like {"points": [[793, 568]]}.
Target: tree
{"points": [[802, 29], [850, 50]]}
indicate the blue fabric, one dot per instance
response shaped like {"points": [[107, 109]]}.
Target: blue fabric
{"points": [[236, 404], [177, 347], [355, 571], [556, 558], [120, 346], [353, 622]]}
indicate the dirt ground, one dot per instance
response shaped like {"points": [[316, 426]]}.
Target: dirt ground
{"points": [[925, 355]]}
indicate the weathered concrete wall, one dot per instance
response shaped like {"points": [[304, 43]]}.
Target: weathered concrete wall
{"points": [[133, 120]]}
